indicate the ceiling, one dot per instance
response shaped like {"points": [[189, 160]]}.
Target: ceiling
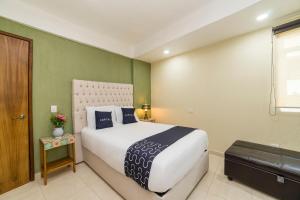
{"points": [[130, 21], [143, 29]]}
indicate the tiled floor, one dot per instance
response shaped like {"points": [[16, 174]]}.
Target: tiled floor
{"points": [[86, 185]]}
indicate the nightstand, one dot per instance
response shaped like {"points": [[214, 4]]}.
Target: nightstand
{"points": [[148, 120], [48, 143]]}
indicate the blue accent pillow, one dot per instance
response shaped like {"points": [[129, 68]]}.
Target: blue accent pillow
{"points": [[128, 115], [103, 120]]}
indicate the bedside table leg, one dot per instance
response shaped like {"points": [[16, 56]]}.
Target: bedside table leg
{"points": [[42, 159], [45, 167], [73, 156]]}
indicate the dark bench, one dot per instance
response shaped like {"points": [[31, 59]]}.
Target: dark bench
{"points": [[274, 171]]}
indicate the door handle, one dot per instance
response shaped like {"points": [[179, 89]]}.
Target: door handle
{"points": [[20, 117]]}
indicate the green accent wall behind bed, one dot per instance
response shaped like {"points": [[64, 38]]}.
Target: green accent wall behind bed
{"points": [[141, 81], [56, 61]]}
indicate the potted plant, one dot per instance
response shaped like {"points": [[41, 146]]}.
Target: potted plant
{"points": [[58, 122]]}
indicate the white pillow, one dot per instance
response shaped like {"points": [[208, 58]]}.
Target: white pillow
{"points": [[119, 114], [90, 114]]}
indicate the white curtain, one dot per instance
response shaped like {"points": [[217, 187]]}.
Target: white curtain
{"points": [[287, 69]]}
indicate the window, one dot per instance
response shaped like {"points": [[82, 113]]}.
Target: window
{"points": [[286, 51]]}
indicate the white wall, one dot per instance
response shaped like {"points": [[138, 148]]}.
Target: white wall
{"points": [[223, 89]]}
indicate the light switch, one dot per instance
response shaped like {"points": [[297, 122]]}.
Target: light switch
{"points": [[53, 108]]}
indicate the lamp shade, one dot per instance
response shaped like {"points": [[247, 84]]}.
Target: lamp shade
{"points": [[146, 107]]}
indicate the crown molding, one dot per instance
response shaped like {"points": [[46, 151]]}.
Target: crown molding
{"points": [[38, 19]]}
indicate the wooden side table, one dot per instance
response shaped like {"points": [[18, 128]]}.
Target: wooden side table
{"points": [[48, 143]]}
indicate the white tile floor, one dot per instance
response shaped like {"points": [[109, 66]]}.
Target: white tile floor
{"points": [[86, 185]]}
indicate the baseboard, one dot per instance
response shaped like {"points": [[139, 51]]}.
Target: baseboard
{"points": [[217, 153], [37, 175]]}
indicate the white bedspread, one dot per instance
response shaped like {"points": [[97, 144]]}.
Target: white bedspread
{"points": [[168, 167]]}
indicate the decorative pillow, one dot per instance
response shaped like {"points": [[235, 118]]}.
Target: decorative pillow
{"points": [[90, 114], [119, 114], [128, 115], [103, 120]]}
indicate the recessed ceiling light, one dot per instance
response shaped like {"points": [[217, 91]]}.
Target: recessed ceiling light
{"points": [[166, 51], [262, 17]]}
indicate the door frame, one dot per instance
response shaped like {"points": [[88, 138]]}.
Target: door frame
{"points": [[30, 124]]}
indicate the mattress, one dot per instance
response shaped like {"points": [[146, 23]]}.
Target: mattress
{"points": [[168, 167]]}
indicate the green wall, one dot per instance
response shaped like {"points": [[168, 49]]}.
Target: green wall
{"points": [[142, 82], [56, 61]]}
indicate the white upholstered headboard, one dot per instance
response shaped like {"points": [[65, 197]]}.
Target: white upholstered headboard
{"points": [[92, 93]]}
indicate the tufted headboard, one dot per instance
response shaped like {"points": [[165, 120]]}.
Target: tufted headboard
{"points": [[92, 93]]}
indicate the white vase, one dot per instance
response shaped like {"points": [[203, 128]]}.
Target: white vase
{"points": [[58, 132]]}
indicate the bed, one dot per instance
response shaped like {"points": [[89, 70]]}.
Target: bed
{"points": [[104, 150]]}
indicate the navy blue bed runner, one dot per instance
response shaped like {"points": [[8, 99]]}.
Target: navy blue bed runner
{"points": [[140, 155]]}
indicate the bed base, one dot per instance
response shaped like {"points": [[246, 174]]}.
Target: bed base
{"points": [[130, 190]]}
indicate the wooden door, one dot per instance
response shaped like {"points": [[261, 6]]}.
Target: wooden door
{"points": [[15, 112]]}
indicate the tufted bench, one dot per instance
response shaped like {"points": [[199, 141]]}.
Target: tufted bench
{"points": [[274, 171]]}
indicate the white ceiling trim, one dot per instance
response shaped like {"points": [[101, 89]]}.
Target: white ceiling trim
{"points": [[228, 27], [213, 21], [208, 14], [36, 18]]}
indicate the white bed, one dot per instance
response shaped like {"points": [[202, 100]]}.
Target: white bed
{"points": [[168, 168], [176, 170]]}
